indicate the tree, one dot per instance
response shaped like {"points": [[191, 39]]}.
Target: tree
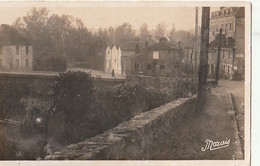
{"points": [[161, 29], [172, 33], [144, 31], [123, 33]]}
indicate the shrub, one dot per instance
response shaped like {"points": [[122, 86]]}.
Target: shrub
{"points": [[72, 93], [123, 101], [178, 88]]}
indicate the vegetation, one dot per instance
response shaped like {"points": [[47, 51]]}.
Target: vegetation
{"points": [[61, 38], [90, 111]]}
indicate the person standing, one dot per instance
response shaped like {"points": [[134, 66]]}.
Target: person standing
{"points": [[113, 73]]}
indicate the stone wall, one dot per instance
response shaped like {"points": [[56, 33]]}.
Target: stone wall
{"points": [[130, 138], [39, 84]]}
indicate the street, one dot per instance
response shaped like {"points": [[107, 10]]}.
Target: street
{"points": [[217, 123]]}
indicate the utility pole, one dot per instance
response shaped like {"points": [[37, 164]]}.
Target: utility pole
{"points": [[219, 37], [203, 66], [195, 46]]}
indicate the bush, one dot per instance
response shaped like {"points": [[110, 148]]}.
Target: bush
{"points": [[123, 101], [179, 88], [72, 93]]}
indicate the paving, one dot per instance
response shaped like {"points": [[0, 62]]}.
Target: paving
{"points": [[216, 123]]}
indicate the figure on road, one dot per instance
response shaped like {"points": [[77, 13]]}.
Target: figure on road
{"points": [[113, 73]]}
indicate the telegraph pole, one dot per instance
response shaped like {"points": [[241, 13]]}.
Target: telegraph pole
{"points": [[203, 65], [219, 38], [195, 46]]}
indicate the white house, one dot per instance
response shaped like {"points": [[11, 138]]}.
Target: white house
{"points": [[113, 59], [15, 51]]}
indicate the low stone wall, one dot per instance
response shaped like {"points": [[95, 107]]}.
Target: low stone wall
{"points": [[130, 138]]}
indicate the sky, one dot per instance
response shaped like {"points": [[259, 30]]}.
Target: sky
{"points": [[94, 17]]}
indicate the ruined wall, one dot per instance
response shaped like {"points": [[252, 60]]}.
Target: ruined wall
{"points": [[130, 138]]}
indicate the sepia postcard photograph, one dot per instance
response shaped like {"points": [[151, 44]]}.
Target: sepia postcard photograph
{"points": [[132, 82]]}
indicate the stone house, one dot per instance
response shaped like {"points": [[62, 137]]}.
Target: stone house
{"points": [[162, 59], [232, 22], [16, 53], [125, 58], [226, 58]]}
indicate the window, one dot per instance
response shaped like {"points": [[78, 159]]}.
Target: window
{"points": [[162, 67], [26, 63], [226, 28], [155, 55], [136, 66], [27, 50], [1, 50], [230, 26], [229, 54], [228, 68], [149, 67], [17, 64], [223, 54], [17, 50]]}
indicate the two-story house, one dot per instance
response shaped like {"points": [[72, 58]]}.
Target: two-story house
{"points": [[162, 59], [226, 67], [16, 53], [232, 22]]}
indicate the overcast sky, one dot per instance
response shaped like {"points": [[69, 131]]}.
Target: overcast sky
{"points": [[95, 17]]}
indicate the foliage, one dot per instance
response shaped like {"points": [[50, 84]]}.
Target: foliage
{"points": [[178, 88], [72, 93], [161, 29], [11, 94]]}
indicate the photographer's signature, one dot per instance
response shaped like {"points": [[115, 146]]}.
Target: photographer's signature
{"points": [[211, 145]]}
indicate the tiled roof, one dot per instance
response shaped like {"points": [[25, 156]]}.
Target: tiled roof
{"points": [[162, 45], [10, 36]]}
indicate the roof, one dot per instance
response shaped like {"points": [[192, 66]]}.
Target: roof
{"points": [[226, 42], [10, 36], [132, 56], [112, 45], [162, 45]]}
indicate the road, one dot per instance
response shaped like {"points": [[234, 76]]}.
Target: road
{"points": [[217, 123], [237, 89]]}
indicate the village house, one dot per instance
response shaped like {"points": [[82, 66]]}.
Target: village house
{"points": [[113, 59], [15, 51], [125, 58], [162, 59], [226, 58], [232, 61]]}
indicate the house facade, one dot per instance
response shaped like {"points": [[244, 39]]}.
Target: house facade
{"points": [[226, 67], [113, 59], [162, 59], [232, 59], [16, 54]]}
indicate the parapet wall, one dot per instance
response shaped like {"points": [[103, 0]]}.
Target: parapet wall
{"points": [[130, 138]]}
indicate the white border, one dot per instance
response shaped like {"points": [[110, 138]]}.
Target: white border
{"points": [[156, 4]]}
